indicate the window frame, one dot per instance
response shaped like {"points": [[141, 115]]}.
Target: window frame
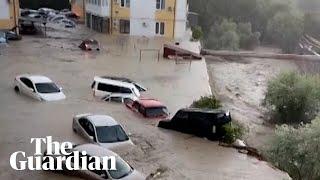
{"points": [[160, 4], [160, 28]]}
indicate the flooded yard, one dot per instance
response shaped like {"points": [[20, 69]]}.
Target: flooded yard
{"points": [[179, 156]]}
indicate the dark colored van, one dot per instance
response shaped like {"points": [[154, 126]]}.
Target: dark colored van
{"points": [[199, 122]]}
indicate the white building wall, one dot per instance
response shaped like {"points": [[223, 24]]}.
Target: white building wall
{"points": [[102, 10], [142, 17], [4, 9], [181, 19]]}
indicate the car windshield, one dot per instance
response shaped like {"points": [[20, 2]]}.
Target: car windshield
{"points": [[47, 88], [110, 134], [156, 111], [123, 169]]}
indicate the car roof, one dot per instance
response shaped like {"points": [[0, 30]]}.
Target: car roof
{"points": [[150, 102], [102, 120], [114, 82], [199, 110], [37, 78], [123, 79], [95, 150]]}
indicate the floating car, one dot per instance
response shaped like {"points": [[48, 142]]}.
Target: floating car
{"points": [[102, 130], [89, 45], [103, 86], [123, 169], [3, 38], [127, 80], [149, 108], [38, 87], [119, 98], [12, 36], [199, 122]]}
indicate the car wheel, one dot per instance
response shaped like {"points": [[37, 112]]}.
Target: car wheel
{"points": [[16, 89]]}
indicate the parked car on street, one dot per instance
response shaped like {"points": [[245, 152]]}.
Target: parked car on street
{"points": [[123, 170], [38, 87], [149, 108], [103, 86], [199, 122], [89, 45], [119, 98], [102, 130]]}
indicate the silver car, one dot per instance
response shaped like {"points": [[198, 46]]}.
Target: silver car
{"points": [[123, 170], [102, 130]]}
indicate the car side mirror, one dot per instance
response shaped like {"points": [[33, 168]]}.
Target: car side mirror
{"points": [[60, 88]]}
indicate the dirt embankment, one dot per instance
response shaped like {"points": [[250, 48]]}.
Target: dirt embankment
{"points": [[240, 83]]}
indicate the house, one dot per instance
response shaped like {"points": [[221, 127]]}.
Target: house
{"points": [[150, 18], [9, 14]]}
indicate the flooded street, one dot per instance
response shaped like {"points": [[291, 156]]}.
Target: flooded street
{"points": [[180, 156]]}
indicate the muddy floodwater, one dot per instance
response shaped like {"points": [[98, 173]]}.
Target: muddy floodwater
{"points": [[179, 156]]}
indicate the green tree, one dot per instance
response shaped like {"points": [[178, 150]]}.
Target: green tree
{"points": [[293, 98], [223, 36], [285, 29], [296, 150], [197, 33], [248, 39]]}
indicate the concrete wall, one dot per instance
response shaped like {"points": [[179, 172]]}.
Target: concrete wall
{"points": [[180, 19], [103, 10], [142, 19]]}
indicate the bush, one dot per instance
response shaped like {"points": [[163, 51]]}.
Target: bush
{"points": [[207, 102], [296, 150], [293, 98], [233, 131], [197, 33]]}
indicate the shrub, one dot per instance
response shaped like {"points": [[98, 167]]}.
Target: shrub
{"points": [[197, 33], [248, 39], [207, 102], [296, 150], [293, 98], [233, 131]]}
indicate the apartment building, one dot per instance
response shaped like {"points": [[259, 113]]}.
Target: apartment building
{"points": [[9, 14], [164, 18]]}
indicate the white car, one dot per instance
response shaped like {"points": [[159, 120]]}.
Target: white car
{"points": [[105, 85], [102, 130], [119, 98], [38, 87], [124, 170]]}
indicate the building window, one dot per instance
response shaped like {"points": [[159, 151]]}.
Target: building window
{"points": [[160, 28], [124, 26], [160, 4], [125, 3]]}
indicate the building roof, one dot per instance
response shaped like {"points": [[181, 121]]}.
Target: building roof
{"points": [[102, 120]]}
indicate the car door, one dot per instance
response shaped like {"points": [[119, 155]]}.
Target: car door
{"points": [[87, 129], [28, 88]]}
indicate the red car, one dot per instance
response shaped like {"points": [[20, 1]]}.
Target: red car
{"points": [[149, 108]]}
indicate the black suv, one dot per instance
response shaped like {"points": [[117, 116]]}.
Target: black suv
{"points": [[199, 122]]}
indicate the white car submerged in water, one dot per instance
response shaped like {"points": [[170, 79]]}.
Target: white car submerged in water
{"points": [[38, 87], [102, 130]]}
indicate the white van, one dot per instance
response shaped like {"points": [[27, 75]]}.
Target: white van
{"points": [[104, 85]]}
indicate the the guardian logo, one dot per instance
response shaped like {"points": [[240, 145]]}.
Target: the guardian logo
{"points": [[59, 156]]}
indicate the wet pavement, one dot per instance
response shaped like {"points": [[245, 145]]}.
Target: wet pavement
{"points": [[180, 156]]}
